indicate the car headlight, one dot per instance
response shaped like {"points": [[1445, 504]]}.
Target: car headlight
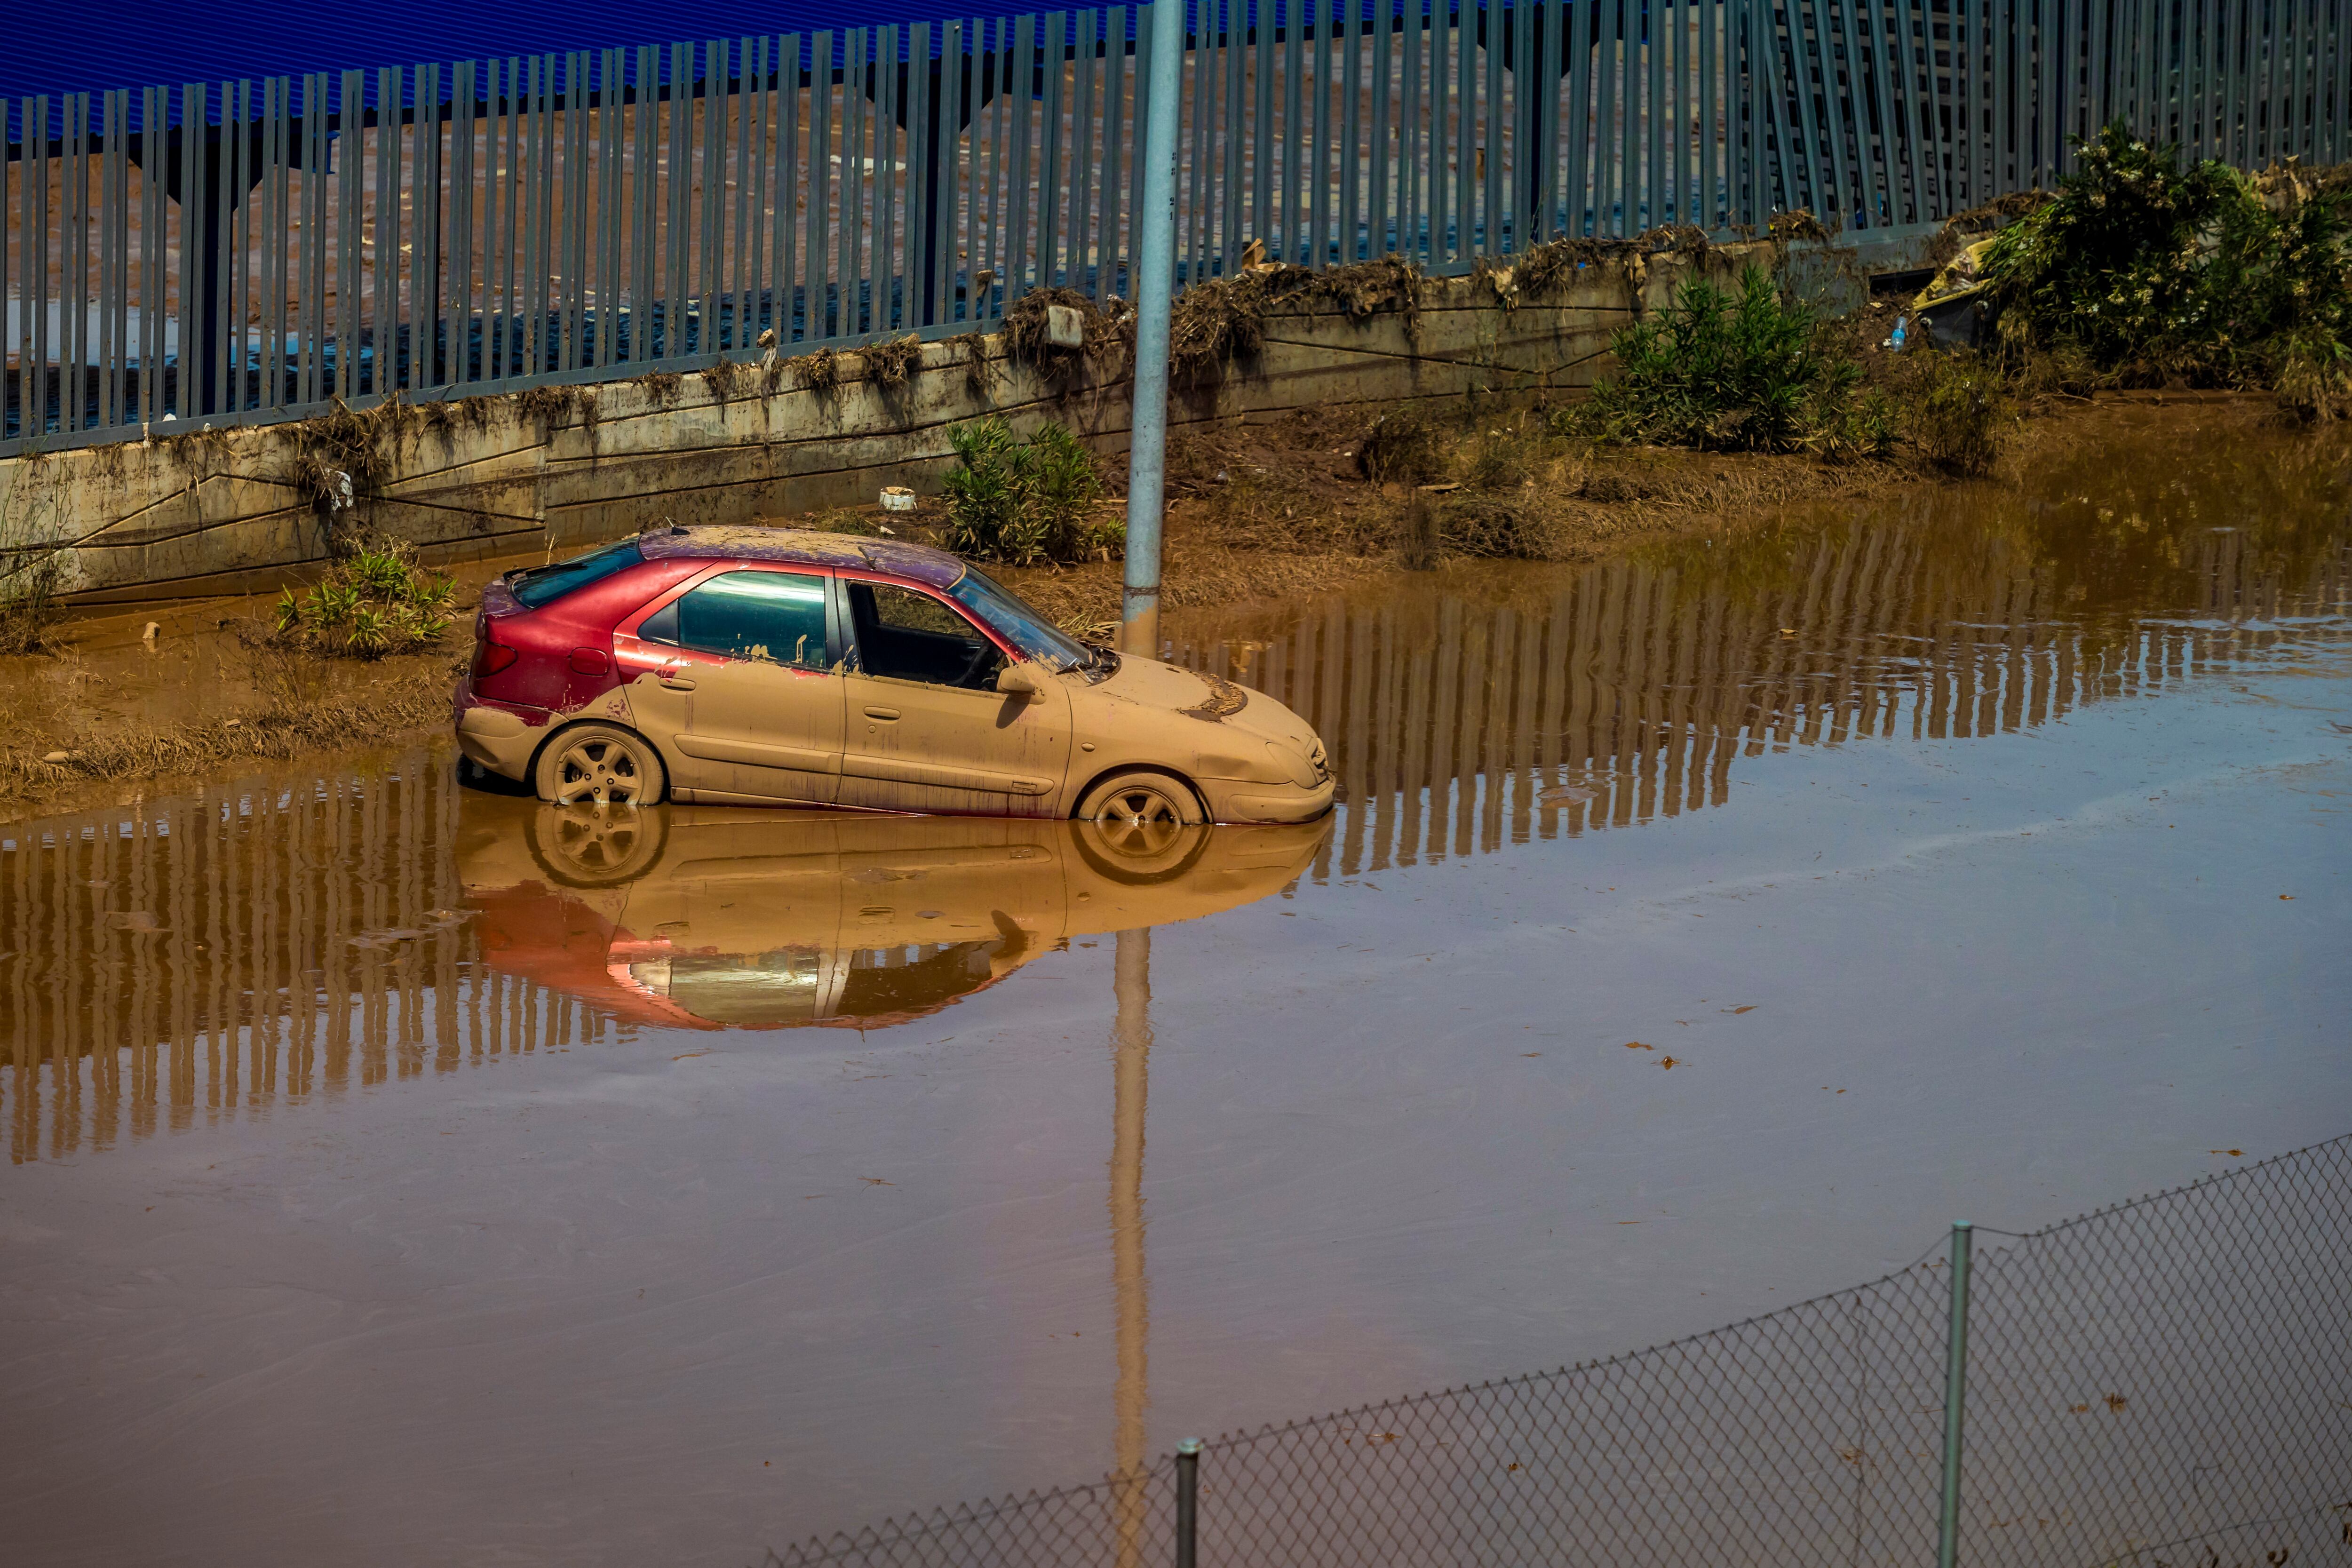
{"points": [[1300, 767]]}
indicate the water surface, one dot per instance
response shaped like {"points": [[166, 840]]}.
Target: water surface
{"points": [[404, 1171]]}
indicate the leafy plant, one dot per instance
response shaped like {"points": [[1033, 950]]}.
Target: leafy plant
{"points": [[1025, 504], [2312, 372], [1955, 410], [2155, 269], [1720, 369], [370, 604], [1842, 420]]}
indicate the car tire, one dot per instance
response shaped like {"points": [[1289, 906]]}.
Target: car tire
{"points": [[1146, 824], [600, 764]]}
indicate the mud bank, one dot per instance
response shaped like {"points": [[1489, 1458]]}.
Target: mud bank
{"points": [[1259, 512]]}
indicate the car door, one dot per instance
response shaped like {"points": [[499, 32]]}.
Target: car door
{"points": [[738, 685], [928, 730]]}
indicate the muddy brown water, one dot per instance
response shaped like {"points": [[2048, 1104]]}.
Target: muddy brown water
{"points": [[403, 1172]]}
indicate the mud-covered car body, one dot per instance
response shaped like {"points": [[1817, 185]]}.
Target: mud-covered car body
{"points": [[708, 917], [779, 667]]}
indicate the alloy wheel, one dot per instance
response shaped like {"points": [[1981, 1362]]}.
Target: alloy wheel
{"points": [[600, 770]]}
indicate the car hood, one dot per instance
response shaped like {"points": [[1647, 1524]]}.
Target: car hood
{"points": [[1211, 701]]}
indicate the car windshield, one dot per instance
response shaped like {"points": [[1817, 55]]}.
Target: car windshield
{"points": [[1019, 624], [544, 584]]}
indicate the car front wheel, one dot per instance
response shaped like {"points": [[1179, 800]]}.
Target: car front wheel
{"points": [[600, 764], [1141, 814]]}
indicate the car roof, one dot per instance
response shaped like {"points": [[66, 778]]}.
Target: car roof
{"points": [[801, 547]]}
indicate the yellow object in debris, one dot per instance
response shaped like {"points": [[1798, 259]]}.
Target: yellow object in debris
{"points": [[1962, 276]]}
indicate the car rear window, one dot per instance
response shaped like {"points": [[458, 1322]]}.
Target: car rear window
{"points": [[544, 584]]}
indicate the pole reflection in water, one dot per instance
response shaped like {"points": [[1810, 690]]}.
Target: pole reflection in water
{"points": [[206, 956], [1130, 1286]]}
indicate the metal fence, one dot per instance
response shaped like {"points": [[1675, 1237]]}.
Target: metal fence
{"points": [[247, 251], [2162, 1382]]}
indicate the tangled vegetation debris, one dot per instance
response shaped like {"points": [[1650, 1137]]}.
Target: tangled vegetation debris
{"points": [[722, 376], [344, 456], [372, 603], [552, 407], [1026, 503], [891, 366], [2154, 272], [28, 605], [1106, 339], [819, 370], [1402, 447], [1222, 321]]}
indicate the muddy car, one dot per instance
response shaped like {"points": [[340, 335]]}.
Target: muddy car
{"points": [[754, 666], [709, 918]]}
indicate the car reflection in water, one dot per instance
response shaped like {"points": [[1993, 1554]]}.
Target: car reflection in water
{"points": [[718, 918]]}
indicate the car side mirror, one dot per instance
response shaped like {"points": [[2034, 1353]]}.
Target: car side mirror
{"points": [[1018, 679]]}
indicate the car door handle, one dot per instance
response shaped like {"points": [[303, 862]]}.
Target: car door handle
{"points": [[677, 683], [881, 713]]}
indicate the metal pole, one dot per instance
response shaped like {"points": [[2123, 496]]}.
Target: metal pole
{"points": [[1188, 1479], [1155, 282], [1956, 1379]]}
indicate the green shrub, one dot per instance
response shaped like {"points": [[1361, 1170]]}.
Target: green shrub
{"points": [[370, 603], [1026, 504], [2312, 372], [2153, 270], [1955, 410], [1724, 370]]}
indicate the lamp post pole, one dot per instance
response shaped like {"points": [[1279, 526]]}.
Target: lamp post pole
{"points": [[1154, 284]]}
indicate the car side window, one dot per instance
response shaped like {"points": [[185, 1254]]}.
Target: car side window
{"points": [[909, 636], [778, 617]]}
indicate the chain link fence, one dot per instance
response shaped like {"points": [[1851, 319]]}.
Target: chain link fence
{"points": [[2161, 1384]]}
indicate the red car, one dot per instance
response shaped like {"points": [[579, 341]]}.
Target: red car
{"points": [[774, 666]]}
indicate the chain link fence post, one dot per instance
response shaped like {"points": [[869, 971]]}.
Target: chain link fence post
{"points": [[1956, 1379], [1187, 1492]]}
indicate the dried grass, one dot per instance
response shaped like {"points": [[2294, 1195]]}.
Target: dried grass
{"points": [[1108, 349], [661, 386], [1223, 320], [29, 607], [723, 375], [818, 371], [403, 699], [1797, 223], [553, 408], [892, 366]]}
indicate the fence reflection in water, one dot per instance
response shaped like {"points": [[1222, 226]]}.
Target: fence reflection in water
{"points": [[200, 958], [206, 957], [1456, 727]]}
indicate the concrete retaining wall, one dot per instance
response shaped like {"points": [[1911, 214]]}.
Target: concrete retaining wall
{"points": [[230, 511]]}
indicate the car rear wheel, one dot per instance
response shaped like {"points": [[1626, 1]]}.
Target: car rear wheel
{"points": [[600, 764], [1141, 816]]}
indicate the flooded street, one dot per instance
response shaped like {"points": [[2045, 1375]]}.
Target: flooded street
{"points": [[1700, 931]]}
